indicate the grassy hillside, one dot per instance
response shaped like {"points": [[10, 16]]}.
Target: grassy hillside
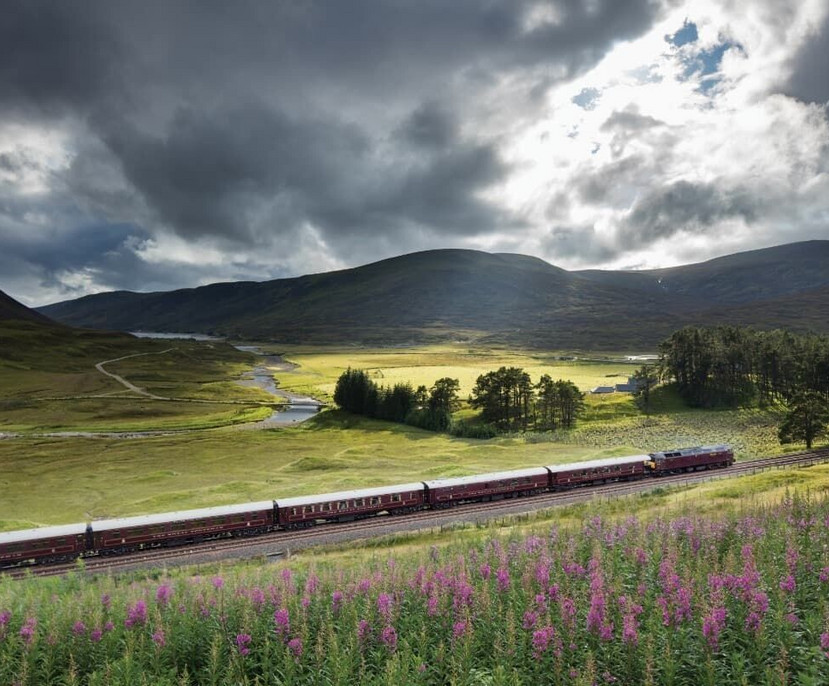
{"points": [[49, 382], [451, 295]]}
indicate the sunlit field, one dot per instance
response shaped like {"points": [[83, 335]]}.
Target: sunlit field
{"points": [[57, 480], [319, 369]]}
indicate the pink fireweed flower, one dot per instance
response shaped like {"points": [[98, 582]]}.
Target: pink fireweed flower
{"points": [[312, 584], [106, 601], [824, 643], [257, 597], [109, 626], [502, 575], [162, 594], [295, 646], [363, 630], [158, 638], [389, 638], [630, 630], [595, 616], [282, 622], [95, 635], [712, 626], [788, 584], [485, 570], [136, 614], [568, 612], [824, 574], [792, 556], [27, 631], [463, 596], [530, 620], [336, 601], [242, 643], [542, 638], [432, 605], [79, 628], [459, 630], [384, 605], [218, 582]]}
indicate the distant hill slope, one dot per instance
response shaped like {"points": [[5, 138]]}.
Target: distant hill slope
{"points": [[498, 298], [11, 310]]}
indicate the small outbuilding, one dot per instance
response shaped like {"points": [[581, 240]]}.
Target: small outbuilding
{"points": [[602, 389]]}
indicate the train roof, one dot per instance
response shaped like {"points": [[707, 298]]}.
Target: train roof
{"points": [[593, 464], [41, 533], [696, 450], [180, 516], [492, 476], [300, 500]]}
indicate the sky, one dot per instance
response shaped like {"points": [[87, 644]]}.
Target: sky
{"points": [[167, 144]]}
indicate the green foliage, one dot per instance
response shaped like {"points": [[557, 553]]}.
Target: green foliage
{"points": [[807, 418], [730, 366], [644, 380], [509, 401], [355, 392]]}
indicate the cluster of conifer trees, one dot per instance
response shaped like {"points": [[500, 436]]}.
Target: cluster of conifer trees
{"points": [[731, 366], [507, 398], [427, 408]]}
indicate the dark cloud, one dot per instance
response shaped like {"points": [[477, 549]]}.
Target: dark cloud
{"points": [[809, 80], [377, 124], [54, 58], [684, 206], [603, 186], [430, 126]]}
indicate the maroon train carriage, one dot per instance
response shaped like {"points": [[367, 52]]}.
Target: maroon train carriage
{"points": [[448, 492], [48, 543], [179, 528], [307, 510], [575, 474], [690, 459]]}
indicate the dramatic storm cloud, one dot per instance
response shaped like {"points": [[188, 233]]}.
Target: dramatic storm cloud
{"points": [[159, 144]]}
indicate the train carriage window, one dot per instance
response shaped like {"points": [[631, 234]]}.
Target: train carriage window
{"points": [[342, 505], [308, 509], [395, 497], [360, 502], [374, 501], [293, 510], [325, 507]]}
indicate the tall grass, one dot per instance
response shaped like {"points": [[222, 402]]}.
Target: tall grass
{"points": [[742, 598]]}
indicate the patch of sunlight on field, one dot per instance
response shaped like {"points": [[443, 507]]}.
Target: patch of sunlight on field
{"points": [[423, 366]]}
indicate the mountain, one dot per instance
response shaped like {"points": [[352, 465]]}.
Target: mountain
{"points": [[443, 295], [11, 310]]}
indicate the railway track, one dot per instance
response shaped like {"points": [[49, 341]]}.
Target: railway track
{"points": [[280, 543]]}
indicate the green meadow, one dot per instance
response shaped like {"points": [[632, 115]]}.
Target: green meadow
{"points": [[214, 456]]}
